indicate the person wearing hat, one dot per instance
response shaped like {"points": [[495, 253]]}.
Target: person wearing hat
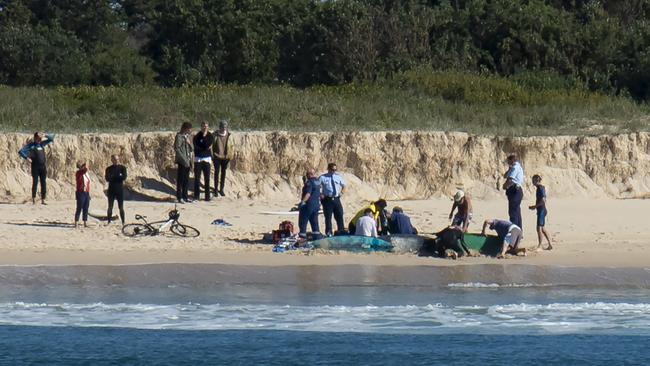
{"points": [[222, 151], [82, 193], [34, 153], [464, 214]]}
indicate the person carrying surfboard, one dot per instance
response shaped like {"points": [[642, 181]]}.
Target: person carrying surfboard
{"points": [[34, 153]]}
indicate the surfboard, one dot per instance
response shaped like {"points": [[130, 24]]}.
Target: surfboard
{"points": [[353, 243], [488, 245]]}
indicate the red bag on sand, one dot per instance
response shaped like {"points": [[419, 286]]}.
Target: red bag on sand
{"points": [[285, 230]]}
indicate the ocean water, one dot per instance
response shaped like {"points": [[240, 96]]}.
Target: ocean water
{"points": [[345, 315]]}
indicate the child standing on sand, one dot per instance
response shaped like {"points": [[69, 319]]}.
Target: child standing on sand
{"points": [[540, 206]]}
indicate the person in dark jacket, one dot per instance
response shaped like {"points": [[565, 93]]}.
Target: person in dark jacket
{"points": [[183, 151], [203, 141], [34, 153], [309, 205], [115, 176], [223, 151], [400, 223]]}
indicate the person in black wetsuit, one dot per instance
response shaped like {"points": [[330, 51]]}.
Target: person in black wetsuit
{"points": [[115, 176], [34, 152]]}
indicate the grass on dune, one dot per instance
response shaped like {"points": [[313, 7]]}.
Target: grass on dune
{"points": [[415, 100]]}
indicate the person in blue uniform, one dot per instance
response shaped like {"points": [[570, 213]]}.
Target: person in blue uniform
{"points": [[513, 187], [309, 205], [333, 187]]}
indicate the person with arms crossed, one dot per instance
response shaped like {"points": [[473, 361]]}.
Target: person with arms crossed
{"points": [[203, 141], [115, 176], [223, 151]]}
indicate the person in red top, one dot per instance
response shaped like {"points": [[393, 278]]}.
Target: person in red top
{"points": [[82, 194]]}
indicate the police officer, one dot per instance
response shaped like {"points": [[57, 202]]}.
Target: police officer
{"points": [[309, 205], [333, 187]]}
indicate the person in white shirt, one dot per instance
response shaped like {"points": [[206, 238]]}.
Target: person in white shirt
{"points": [[366, 225]]}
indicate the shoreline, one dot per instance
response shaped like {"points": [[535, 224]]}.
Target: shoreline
{"points": [[62, 257]]}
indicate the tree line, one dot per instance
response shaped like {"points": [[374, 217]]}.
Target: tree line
{"points": [[602, 45]]}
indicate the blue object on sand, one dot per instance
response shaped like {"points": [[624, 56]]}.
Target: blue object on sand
{"points": [[221, 222], [353, 243]]}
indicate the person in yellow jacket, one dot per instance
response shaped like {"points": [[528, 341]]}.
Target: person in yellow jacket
{"points": [[376, 207], [223, 151]]}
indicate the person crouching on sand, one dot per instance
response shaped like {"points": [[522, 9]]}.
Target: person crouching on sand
{"points": [[509, 234], [540, 206], [82, 195]]}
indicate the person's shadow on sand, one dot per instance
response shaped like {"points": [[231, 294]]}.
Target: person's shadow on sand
{"points": [[43, 224]]}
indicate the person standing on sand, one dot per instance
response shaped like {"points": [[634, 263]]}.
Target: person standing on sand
{"points": [[540, 206], [463, 217], [509, 235], [366, 225], [309, 206], [82, 194], [34, 153], [203, 141], [183, 150], [115, 176], [223, 151], [513, 187], [333, 187]]}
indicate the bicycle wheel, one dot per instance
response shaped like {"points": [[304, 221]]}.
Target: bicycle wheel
{"points": [[184, 230], [132, 230]]}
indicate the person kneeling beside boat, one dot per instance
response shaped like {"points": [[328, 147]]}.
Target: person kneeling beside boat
{"points": [[509, 234]]}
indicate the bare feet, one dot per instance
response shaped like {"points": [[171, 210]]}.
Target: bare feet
{"points": [[550, 247]]}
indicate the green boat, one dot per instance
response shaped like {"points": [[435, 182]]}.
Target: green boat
{"points": [[487, 245]]}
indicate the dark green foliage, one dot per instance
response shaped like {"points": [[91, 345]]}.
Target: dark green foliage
{"points": [[597, 45]]}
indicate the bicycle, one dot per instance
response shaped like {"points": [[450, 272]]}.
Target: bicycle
{"points": [[158, 227]]}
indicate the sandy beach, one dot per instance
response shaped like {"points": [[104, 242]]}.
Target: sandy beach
{"points": [[586, 232]]}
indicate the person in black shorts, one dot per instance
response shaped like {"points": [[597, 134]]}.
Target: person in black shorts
{"points": [[115, 176]]}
